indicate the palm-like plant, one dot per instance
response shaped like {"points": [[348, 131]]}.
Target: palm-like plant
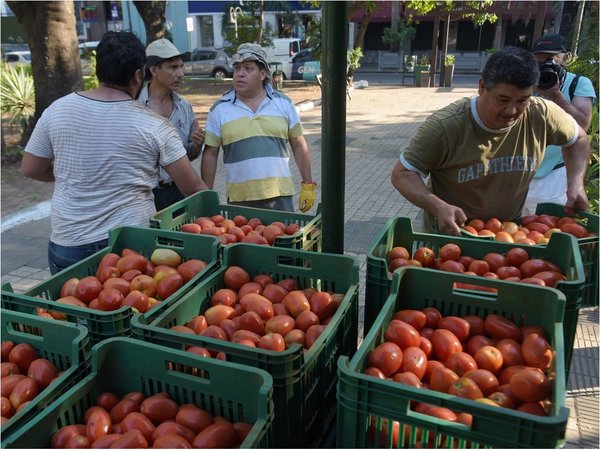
{"points": [[17, 95]]}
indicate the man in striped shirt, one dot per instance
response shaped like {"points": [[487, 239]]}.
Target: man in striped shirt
{"points": [[102, 149], [253, 123], [164, 70]]}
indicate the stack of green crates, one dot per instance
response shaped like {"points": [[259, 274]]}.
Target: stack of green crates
{"points": [[561, 250], [122, 365], [368, 406], [106, 324], [588, 248], [304, 381], [66, 345], [206, 204]]}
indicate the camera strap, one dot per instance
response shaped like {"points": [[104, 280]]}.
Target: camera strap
{"points": [[573, 86]]}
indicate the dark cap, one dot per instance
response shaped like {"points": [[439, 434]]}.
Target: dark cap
{"points": [[550, 43]]}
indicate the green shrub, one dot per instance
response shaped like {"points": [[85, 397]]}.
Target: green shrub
{"points": [[17, 94]]}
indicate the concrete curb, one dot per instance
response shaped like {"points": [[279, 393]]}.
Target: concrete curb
{"points": [[36, 212]]}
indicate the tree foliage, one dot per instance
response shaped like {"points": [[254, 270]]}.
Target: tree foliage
{"points": [[477, 11]]}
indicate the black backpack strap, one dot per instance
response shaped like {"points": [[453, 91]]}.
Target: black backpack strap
{"points": [[573, 86]]}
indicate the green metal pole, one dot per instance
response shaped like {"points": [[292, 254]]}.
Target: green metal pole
{"points": [[334, 38]]}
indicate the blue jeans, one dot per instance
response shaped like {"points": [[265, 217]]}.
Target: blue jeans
{"points": [[61, 257], [283, 203]]}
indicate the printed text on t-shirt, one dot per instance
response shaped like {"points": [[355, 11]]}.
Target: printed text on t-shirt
{"points": [[497, 165]]}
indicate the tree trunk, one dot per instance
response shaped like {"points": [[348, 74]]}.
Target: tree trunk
{"points": [[360, 37], [153, 15], [434, 50], [261, 20], [52, 40]]}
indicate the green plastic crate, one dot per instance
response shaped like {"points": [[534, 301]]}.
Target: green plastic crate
{"points": [[65, 344], [303, 381], [121, 365], [206, 203], [364, 400], [588, 248], [106, 324], [562, 250]]}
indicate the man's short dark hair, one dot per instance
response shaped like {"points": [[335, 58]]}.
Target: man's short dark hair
{"points": [[118, 55], [511, 65]]}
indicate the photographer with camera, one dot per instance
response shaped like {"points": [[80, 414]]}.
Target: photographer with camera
{"points": [[575, 95]]}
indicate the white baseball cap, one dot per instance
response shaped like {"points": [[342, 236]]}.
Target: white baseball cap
{"points": [[161, 49]]}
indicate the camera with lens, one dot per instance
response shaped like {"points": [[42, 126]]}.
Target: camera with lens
{"points": [[550, 74]]}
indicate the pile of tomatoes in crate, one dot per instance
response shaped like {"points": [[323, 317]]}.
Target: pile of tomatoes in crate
{"points": [[240, 229], [136, 421], [128, 279], [490, 360], [532, 229], [515, 265], [263, 314], [24, 375]]}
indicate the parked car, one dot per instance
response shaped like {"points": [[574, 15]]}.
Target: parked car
{"points": [[304, 65], [209, 62], [17, 57]]}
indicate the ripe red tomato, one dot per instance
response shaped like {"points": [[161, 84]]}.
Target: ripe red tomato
{"points": [[550, 277], [489, 357], [460, 362], [507, 374], [433, 317], [25, 390], [465, 388], [427, 347], [577, 230], [493, 224], [530, 385], [445, 343], [281, 324], [479, 266], [516, 256], [533, 266], [502, 399], [172, 428], [432, 364], [110, 299], [88, 289], [322, 304], [375, 372], [537, 352], [449, 252], [499, 327], [452, 266], [169, 285], [235, 277], [296, 302], [272, 341], [476, 325], [511, 352], [122, 408], [43, 371], [436, 411], [98, 424], [22, 355], [64, 434], [386, 357], [414, 360], [485, 380], [424, 255], [159, 408], [459, 326], [274, 292], [216, 435], [312, 334], [505, 272], [416, 318], [495, 260], [408, 378], [402, 334], [398, 252]]}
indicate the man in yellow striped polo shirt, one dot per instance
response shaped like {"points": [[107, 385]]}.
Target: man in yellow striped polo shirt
{"points": [[253, 123]]}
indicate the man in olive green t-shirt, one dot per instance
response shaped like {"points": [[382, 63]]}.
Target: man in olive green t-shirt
{"points": [[482, 153]]}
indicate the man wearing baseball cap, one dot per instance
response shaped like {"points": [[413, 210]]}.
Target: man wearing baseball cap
{"points": [[164, 73], [253, 123], [574, 94]]}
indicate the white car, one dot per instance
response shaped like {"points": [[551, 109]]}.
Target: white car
{"points": [[17, 58]]}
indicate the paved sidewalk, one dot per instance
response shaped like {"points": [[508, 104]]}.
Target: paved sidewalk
{"points": [[380, 121]]}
